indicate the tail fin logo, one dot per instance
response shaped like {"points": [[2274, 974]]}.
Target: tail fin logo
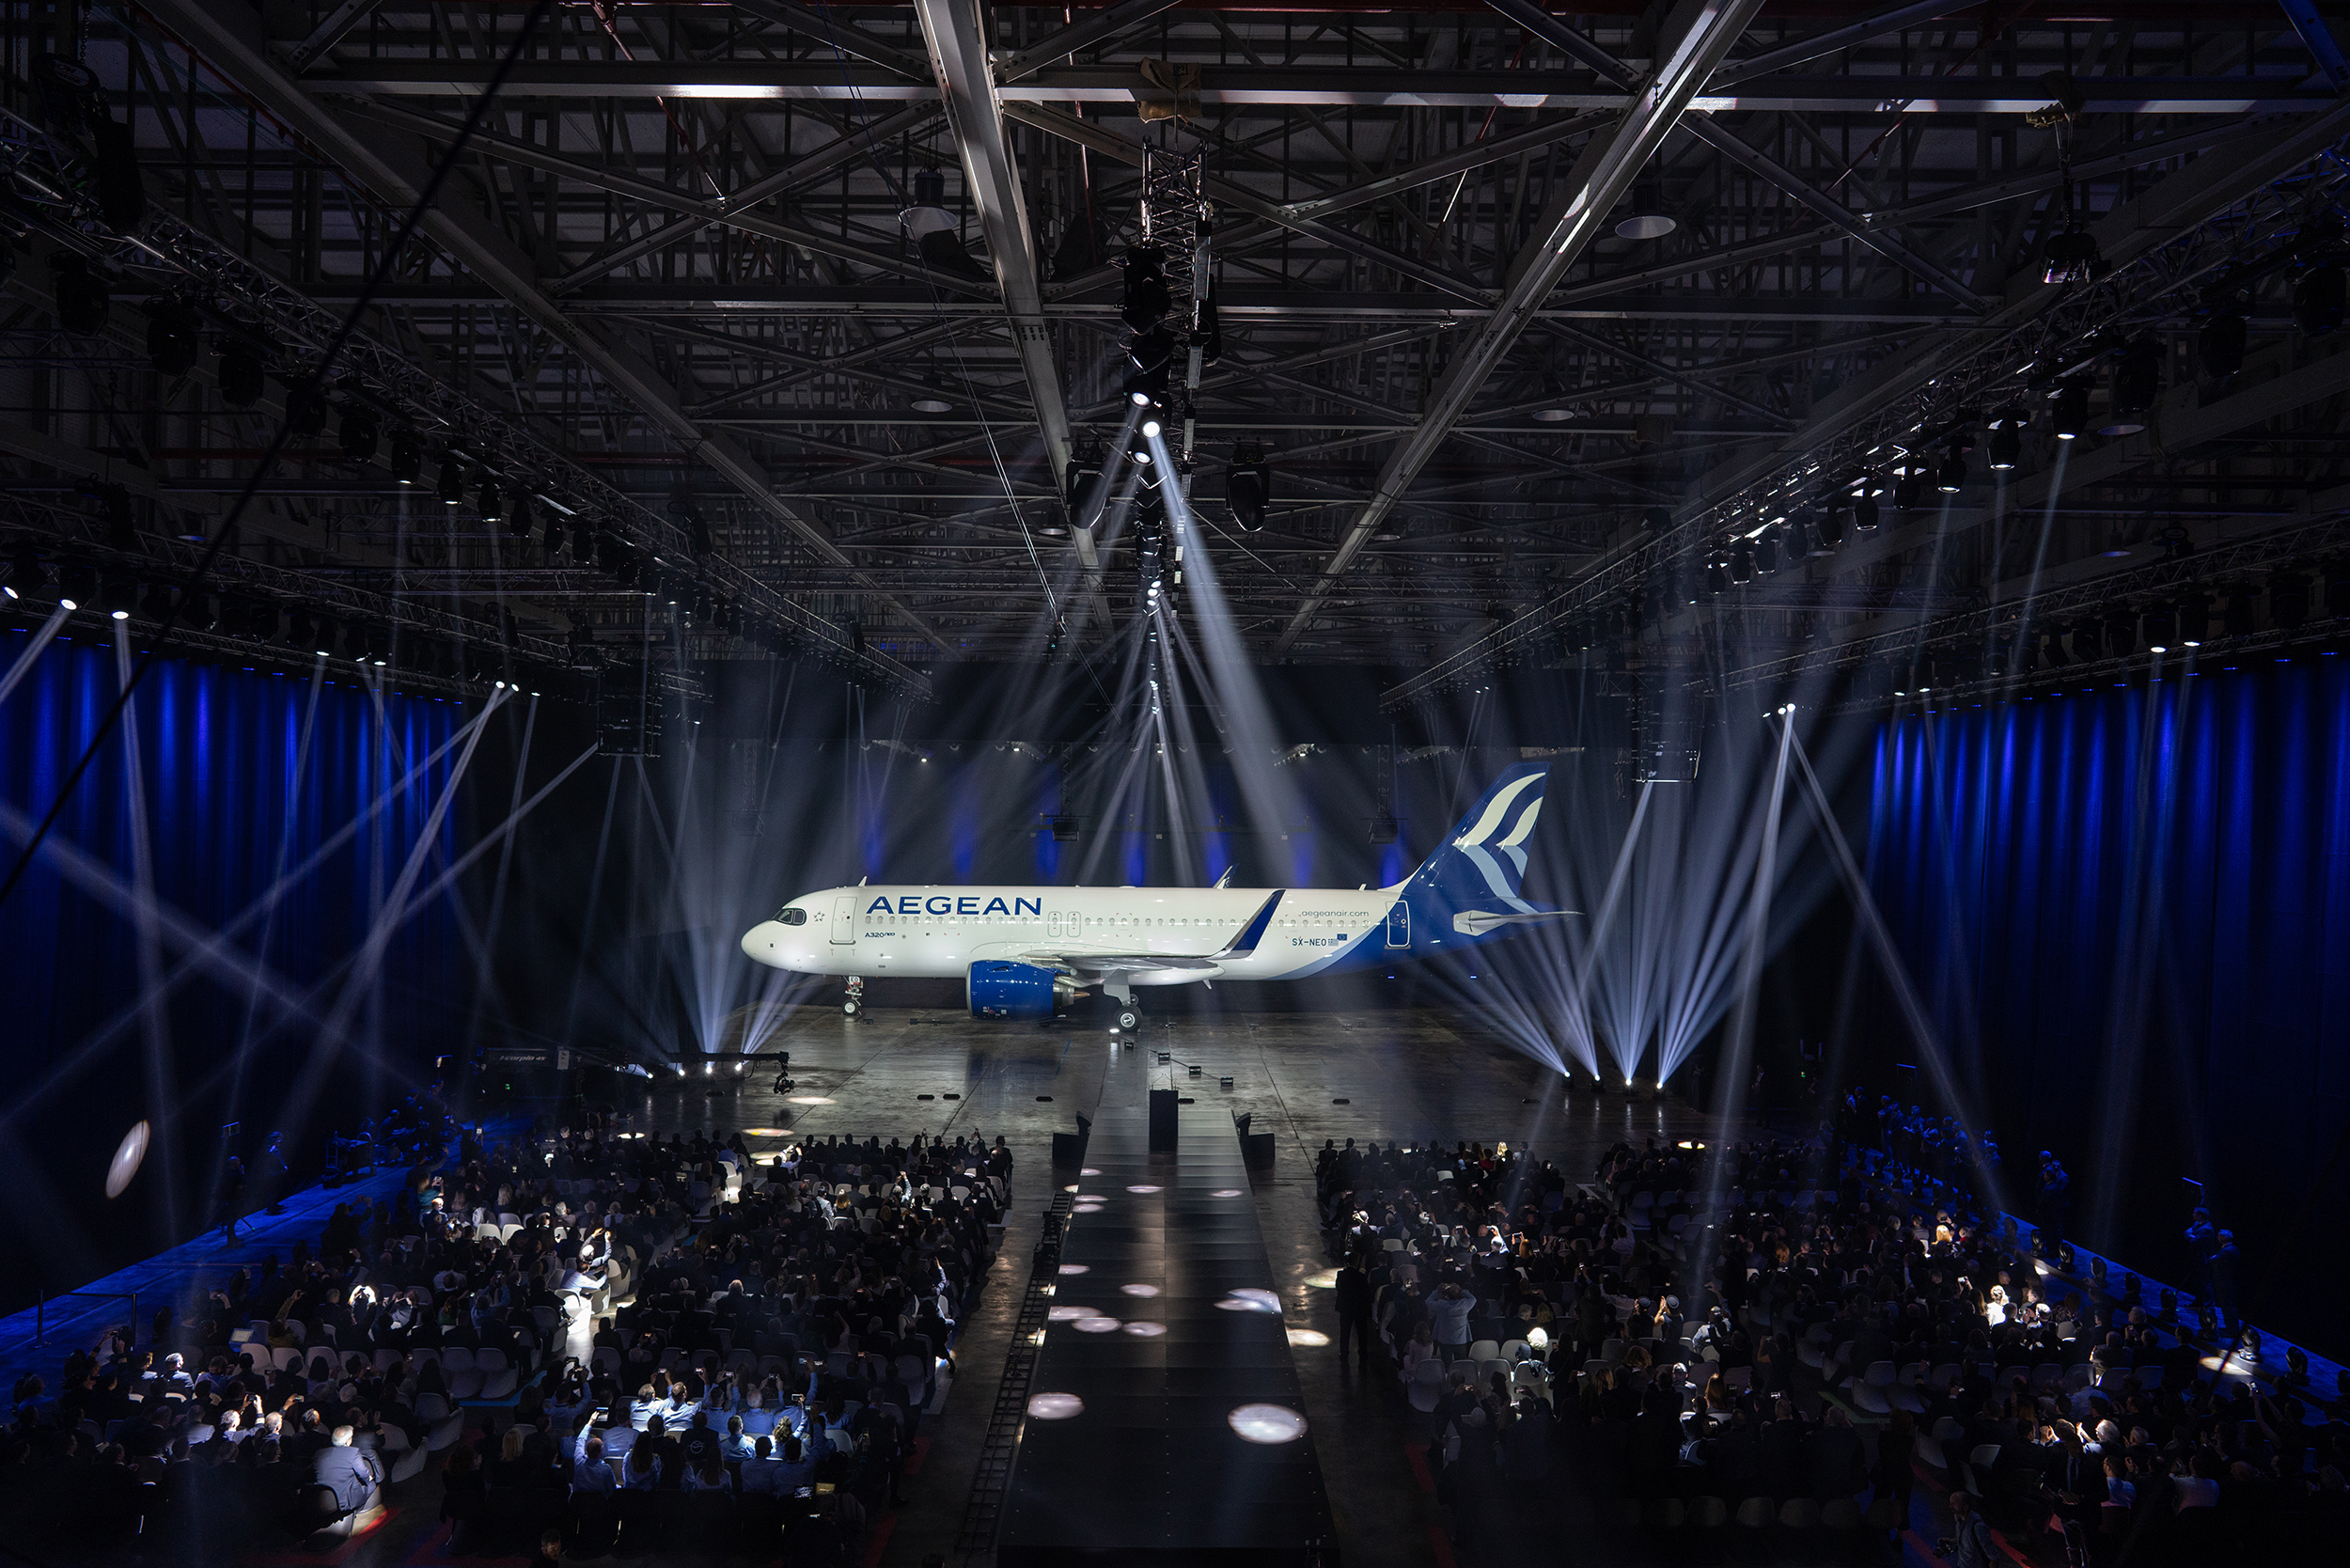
{"points": [[1495, 842]]}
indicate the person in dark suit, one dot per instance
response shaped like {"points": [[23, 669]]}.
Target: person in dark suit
{"points": [[350, 1473], [1353, 1304]]}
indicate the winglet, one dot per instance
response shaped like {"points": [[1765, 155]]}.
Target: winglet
{"points": [[1225, 879], [1251, 933]]}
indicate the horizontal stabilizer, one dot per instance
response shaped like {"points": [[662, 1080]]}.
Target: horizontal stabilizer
{"points": [[1476, 922]]}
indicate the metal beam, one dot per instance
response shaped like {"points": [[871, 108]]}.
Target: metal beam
{"points": [[1535, 20], [1691, 43], [1828, 41], [1283, 86], [849, 39], [2318, 38], [1093, 136], [952, 31], [853, 144], [327, 33], [230, 37], [1459, 160], [1103, 24], [731, 212]]}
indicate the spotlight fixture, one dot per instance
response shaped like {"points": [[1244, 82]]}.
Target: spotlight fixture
{"points": [[174, 336], [300, 630], [305, 411], [2136, 383], [2288, 598], [1828, 527], [2007, 448], [325, 636], [492, 505], [260, 621], [119, 596], [1647, 219], [2073, 257], [1248, 487], [239, 374], [2161, 626], [2219, 343], [158, 603], [199, 612], [1953, 477], [82, 298], [1766, 553], [2072, 410], [27, 578], [1742, 563], [1864, 515], [1149, 428], [359, 433], [2194, 616], [2318, 296], [453, 485], [520, 521], [407, 457], [77, 586], [1152, 354], [1717, 578], [1906, 491], [1145, 296]]}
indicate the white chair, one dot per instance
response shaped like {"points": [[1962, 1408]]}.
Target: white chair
{"points": [[498, 1379], [464, 1379], [915, 1373], [1516, 1350], [409, 1466], [1485, 1350]]}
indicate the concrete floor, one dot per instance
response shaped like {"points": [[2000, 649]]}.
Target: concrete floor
{"points": [[1385, 1077]]}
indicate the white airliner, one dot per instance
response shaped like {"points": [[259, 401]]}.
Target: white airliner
{"points": [[1021, 952]]}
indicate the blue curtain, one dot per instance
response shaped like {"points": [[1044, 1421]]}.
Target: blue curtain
{"points": [[2130, 909], [212, 776]]}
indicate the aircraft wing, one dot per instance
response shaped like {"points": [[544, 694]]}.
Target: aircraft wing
{"points": [[1122, 963]]}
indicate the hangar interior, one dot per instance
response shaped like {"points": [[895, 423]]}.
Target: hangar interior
{"points": [[498, 498]]}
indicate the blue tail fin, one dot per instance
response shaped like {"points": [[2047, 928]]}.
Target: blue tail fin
{"points": [[1481, 867]]}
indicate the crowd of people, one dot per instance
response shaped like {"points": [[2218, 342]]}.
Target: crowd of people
{"points": [[582, 1330], [1797, 1353]]}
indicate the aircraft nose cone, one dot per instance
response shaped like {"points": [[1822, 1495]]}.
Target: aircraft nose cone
{"points": [[763, 942]]}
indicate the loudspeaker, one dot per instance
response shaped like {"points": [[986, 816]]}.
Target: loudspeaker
{"points": [[1068, 1150], [1163, 1119], [1256, 1150]]}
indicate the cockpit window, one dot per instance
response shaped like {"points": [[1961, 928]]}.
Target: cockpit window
{"points": [[791, 916]]}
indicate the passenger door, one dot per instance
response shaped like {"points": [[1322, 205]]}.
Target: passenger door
{"points": [[844, 920], [1400, 925]]}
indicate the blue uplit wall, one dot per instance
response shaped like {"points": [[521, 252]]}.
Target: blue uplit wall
{"points": [[2131, 909], [230, 802]]}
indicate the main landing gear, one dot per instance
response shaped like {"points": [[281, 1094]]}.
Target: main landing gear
{"points": [[1129, 1017], [854, 1004]]}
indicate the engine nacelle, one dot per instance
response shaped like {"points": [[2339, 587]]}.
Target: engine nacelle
{"points": [[1003, 988]]}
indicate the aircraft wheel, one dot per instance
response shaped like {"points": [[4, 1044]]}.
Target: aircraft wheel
{"points": [[1129, 1019], [852, 1007]]}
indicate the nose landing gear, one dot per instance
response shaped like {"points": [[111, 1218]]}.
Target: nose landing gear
{"points": [[854, 1003]]}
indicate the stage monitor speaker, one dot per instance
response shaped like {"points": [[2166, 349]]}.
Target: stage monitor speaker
{"points": [[1163, 1119], [1256, 1150], [1069, 1148]]}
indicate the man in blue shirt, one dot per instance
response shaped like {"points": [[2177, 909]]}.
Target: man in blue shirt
{"points": [[591, 1471]]}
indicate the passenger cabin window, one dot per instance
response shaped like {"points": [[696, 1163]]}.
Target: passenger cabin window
{"points": [[791, 917]]}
